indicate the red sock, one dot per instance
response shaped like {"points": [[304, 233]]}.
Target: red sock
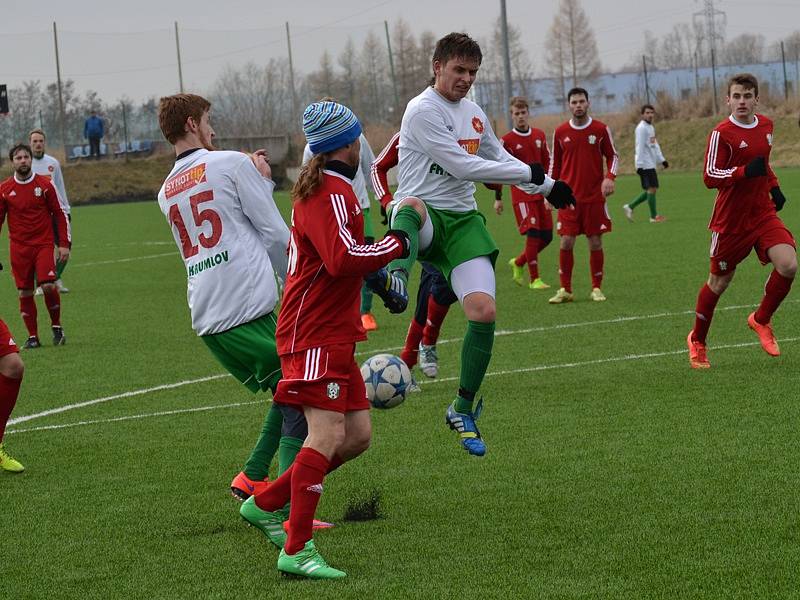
{"points": [[9, 390], [775, 291], [309, 470], [532, 256], [520, 260], [704, 311], [27, 308], [277, 493], [336, 462], [596, 258], [436, 314], [52, 300], [566, 260], [411, 349]]}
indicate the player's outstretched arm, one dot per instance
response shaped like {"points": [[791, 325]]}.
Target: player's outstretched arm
{"points": [[718, 172]]}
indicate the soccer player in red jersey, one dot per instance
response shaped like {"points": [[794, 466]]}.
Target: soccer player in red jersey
{"points": [[579, 148], [434, 296], [534, 219], [11, 370], [32, 206], [318, 327], [744, 217]]}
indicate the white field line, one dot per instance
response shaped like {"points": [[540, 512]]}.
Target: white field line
{"points": [[612, 321], [121, 260], [571, 365], [65, 408], [162, 413]]}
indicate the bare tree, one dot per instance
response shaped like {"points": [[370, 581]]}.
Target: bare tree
{"points": [[556, 57], [791, 48], [744, 49], [323, 81], [572, 49], [348, 80], [406, 57]]}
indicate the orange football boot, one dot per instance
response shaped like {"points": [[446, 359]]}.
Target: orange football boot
{"points": [[242, 487], [368, 322], [765, 335], [697, 353]]}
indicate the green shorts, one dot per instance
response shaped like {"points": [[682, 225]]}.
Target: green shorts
{"points": [[369, 230], [457, 238], [249, 353]]}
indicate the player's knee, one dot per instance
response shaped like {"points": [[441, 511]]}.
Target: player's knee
{"points": [[567, 242], [481, 308], [787, 268], [415, 203], [11, 366], [48, 287]]}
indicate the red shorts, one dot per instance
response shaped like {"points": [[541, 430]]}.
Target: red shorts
{"points": [[7, 343], [532, 215], [729, 249], [27, 261], [327, 378], [590, 218]]}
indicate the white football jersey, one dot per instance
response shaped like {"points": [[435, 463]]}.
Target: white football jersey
{"points": [[365, 160], [232, 238], [51, 168], [648, 152], [444, 147]]}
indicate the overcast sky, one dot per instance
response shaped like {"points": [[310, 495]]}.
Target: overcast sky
{"points": [[128, 48]]}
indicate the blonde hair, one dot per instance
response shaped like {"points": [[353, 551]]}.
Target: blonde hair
{"points": [[310, 177]]}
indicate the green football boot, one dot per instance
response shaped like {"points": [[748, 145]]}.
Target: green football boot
{"points": [[9, 463], [270, 523], [517, 272], [307, 563]]}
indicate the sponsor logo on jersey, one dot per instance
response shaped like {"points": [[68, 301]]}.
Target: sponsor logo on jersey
{"points": [[450, 128], [603, 226], [520, 145], [51, 168], [11, 341], [477, 125], [185, 180], [769, 139], [743, 144], [566, 139], [538, 143], [437, 170], [208, 263], [592, 139], [37, 191], [13, 193], [471, 146], [653, 139], [333, 391]]}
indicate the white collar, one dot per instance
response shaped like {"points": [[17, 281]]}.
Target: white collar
{"points": [[571, 124], [29, 180], [752, 125], [525, 134]]}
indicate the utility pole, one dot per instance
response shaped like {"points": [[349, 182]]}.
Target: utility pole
{"points": [[178, 50], [713, 21], [785, 78], [506, 61], [291, 78], [391, 69], [60, 92], [646, 80]]}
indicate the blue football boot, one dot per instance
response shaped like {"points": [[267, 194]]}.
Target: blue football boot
{"points": [[392, 288], [464, 424]]}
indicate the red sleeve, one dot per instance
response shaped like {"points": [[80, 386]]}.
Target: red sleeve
{"points": [[386, 160], [555, 157], [57, 214], [3, 208], [545, 154], [610, 152], [772, 178], [717, 174], [331, 233]]}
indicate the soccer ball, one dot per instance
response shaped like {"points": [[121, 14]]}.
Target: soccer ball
{"points": [[386, 378]]}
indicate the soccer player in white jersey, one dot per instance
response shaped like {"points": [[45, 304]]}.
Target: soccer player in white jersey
{"points": [[44, 164], [233, 241], [446, 143], [648, 157], [362, 186]]}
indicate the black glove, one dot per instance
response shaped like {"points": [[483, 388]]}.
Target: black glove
{"points": [[385, 218], [561, 195], [498, 195], [777, 197], [403, 238], [756, 167], [537, 173], [665, 164]]}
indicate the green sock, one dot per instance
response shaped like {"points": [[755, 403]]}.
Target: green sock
{"points": [[257, 465], [639, 199], [651, 200], [476, 352], [407, 220], [288, 449], [60, 266], [366, 299]]}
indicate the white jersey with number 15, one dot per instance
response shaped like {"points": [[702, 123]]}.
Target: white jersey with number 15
{"points": [[232, 238]]}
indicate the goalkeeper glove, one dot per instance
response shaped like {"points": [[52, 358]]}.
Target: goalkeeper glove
{"points": [[537, 173], [777, 198], [561, 195], [756, 167]]}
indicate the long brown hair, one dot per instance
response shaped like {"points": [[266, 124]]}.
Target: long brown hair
{"points": [[310, 177]]}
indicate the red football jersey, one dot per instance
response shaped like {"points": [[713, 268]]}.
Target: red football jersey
{"points": [[327, 262], [529, 147], [32, 208], [387, 159], [577, 158], [741, 203]]}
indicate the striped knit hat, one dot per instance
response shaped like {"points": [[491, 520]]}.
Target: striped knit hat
{"points": [[328, 126]]}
